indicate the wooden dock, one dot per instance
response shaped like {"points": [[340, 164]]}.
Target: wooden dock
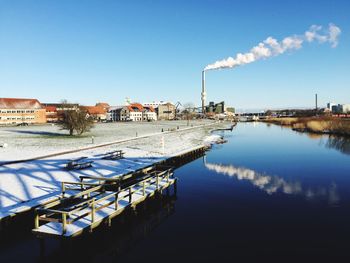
{"points": [[98, 202], [128, 177]]}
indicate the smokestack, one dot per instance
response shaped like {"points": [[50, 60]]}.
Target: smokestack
{"points": [[316, 106], [204, 94]]}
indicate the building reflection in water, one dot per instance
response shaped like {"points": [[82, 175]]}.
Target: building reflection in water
{"points": [[273, 184]]}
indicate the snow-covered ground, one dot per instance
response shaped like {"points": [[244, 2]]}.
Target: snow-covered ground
{"points": [[32, 141], [27, 184]]}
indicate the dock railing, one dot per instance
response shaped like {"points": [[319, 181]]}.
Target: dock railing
{"points": [[92, 197]]}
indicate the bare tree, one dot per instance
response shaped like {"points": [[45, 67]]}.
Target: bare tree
{"points": [[188, 111]]}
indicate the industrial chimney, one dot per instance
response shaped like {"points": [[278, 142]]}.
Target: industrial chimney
{"points": [[204, 94]]}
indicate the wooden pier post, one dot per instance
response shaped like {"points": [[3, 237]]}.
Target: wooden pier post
{"points": [[92, 215], [116, 201], [130, 195], [63, 189], [36, 220], [64, 223], [92, 212]]}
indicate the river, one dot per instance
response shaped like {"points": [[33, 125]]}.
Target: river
{"points": [[269, 193]]}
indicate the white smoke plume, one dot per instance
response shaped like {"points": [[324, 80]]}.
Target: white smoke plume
{"points": [[271, 47]]}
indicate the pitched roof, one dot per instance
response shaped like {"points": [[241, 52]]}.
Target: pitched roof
{"points": [[149, 108], [135, 107], [103, 105], [14, 103], [51, 109], [94, 110]]}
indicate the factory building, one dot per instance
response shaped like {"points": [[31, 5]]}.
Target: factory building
{"points": [[338, 108], [215, 108]]}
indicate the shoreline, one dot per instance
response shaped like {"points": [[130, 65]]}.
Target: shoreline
{"points": [[79, 149], [315, 125], [20, 180]]}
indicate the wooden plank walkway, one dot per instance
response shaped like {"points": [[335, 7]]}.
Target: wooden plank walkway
{"points": [[126, 174], [97, 206]]}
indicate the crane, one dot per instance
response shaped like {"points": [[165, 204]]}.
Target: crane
{"points": [[177, 104]]}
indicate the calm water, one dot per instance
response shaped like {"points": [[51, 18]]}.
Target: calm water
{"points": [[268, 194]]}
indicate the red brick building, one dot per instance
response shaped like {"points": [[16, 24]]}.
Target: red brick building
{"points": [[16, 111]]}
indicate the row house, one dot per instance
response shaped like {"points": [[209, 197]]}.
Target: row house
{"points": [[17, 111], [132, 112], [113, 113], [149, 113], [135, 112]]}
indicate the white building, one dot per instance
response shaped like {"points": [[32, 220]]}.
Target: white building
{"points": [[149, 114], [330, 105], [338, 108], [344, 108], [113, 113]]}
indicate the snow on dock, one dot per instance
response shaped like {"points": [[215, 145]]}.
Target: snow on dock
{"points": [[91, 213], [28, 185]]}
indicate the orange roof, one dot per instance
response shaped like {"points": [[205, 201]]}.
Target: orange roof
{"points": [[13, 103], [134, 106], [94, 110], [150, 108], [130, 108], [103, 105], [51, 109]]}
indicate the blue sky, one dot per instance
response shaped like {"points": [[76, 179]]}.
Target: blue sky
{"points": [[90, 51]]}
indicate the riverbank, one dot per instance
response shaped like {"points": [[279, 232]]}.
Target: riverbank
{"points": [[28, 142], [28, 184], [319, 125]]}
